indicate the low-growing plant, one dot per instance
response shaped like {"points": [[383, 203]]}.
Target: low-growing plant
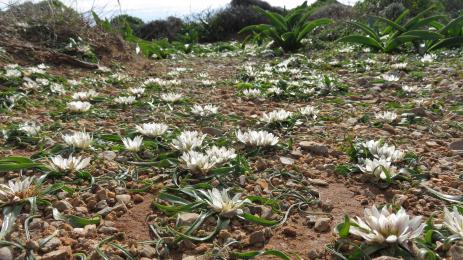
{"points": [[397, 33], [287, 32]]}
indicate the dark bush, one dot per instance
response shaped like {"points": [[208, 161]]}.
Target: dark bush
{"points": [[378, 7], [225, 23], [393, 11], [170, 28], [336, 11], [120, 21]]}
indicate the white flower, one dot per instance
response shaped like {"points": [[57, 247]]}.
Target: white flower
{"points": [[252, 93], [57, 89], [384, 151], [13, 73], [16, 190], [171, 97], [29, 84], [30, 128], [85, 95], [221, 202], [275, 90], [196, 162], [428, 58], [257, 138], [80, 140], [42, 81], [152, 129], [385, 226], [386, 116], [276, 116], [410, 89], [204, 111], [133, 145], [309, 111], [391, 77], [379, 167], [399, 66], [453, 220], [137, 91], [188, 140], [220, 155], [125, 100], [70, 164], [78, 106]]}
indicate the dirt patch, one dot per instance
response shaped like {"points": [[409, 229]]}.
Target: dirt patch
{"points": [[133, 223]]}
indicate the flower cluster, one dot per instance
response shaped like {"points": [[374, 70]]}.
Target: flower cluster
{"points": [[381, 159]]}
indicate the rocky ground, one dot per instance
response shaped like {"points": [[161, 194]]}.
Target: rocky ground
{"points": [[304, 185]]}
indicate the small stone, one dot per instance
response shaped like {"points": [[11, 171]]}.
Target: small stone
{"points": [[456, 147], [101, 205], [212, 131], [263, 184], [286, 160], [101, 194], [257, 237], [296, 154], [314, 148], [201, 249], [186, 219], [108, 230], [137, 198], [64, 253], [456, 252], [385, 258], [108, 155], [289, 232], [318, 182], [322, 224], [242, 179], [432, 144], [62, 205], [124, 198], [5, 253], [50, 245], [147, 251]]}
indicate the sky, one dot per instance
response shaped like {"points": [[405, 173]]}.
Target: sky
{"points": [[155, 9]]}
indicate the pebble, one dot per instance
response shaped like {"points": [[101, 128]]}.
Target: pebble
{"points": [[257, 237], [64, 253], [286, 160], [137, 198], [5, 253], [62, 205], [314, 148], [186, 219], [108, 230], [322, 224], [124, 198], [50, 245]]}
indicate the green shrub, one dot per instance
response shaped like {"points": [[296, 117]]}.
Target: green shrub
{"points": [[122, 20], [287, 31], [396, 33]]}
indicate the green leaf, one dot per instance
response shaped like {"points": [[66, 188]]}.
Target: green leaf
{"points": [[10, 214], [369, 31], [221, 224], [455, 23], [423, 34], [253, 254], [447, 43], [75, 221], [394, 25], [259, 220], [14, 163], [311, 26], [363, 40], [446, 197], [343, 228]]}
